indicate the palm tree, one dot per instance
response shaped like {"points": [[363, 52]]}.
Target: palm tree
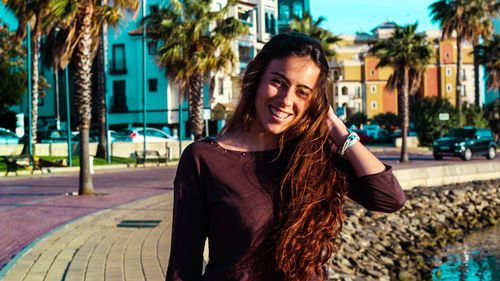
{"points": [[481, 26], [407, 53], [308, 26], [489, 55], [469, 19], [195, 42], [79, 30], [37, 14]]}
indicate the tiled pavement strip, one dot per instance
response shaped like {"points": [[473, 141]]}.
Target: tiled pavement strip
{"points": [[96, 248]]}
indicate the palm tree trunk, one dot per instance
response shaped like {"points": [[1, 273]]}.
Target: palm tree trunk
{"points": [[196, 106], [83, 97], [459, 80], [477, 98], [34, 95], [56, 91], [102, 151], [405, 120]]}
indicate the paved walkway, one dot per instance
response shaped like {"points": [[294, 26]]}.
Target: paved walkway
{"points": [[128, 242]]}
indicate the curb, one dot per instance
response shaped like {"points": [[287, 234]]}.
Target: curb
{"points": [[48, 171]]}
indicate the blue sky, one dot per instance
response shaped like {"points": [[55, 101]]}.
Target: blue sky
{"points": [[349, 16]]}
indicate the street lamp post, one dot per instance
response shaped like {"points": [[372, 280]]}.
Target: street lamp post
{"points": [[144, 76]]}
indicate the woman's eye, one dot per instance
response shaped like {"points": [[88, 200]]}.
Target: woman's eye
{"points": [[277, 82], [302, 93]]}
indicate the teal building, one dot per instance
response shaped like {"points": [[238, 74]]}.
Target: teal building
{"points": [[125, 88]]}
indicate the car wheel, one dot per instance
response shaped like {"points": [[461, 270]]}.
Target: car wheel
{"points": [[467, 154], [437, 156], [491, 153]]}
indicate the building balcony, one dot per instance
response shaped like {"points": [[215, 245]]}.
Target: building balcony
{"points": [[117, 67]]}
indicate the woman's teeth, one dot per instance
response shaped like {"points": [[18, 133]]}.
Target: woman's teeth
{"points": [[279, 113]]}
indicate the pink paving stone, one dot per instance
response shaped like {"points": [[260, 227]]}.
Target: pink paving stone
{"points": [[43, 205]]}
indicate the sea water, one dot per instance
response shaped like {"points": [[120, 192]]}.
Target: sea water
{"points": [[477, 258]]}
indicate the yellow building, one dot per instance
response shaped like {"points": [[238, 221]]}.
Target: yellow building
{"points": [[359, 85]]}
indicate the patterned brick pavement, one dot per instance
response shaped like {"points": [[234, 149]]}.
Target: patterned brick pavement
{"points": [[32, 207]]}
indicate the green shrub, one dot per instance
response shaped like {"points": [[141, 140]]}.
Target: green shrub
{"points": [[388, 121], [425, 113], [356, 119]]}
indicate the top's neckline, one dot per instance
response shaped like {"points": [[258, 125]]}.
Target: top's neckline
{"points": [[216, 144]]}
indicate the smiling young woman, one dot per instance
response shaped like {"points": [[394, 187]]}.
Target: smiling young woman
{"points": [[268, 191]]}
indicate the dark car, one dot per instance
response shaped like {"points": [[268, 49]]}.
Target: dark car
{"points": [[363, 136], [54, 136], [465, 142]]}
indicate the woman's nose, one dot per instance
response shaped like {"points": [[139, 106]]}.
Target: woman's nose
{"points": [[286, 95]]}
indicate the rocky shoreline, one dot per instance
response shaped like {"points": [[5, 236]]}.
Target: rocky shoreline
{"points": [[400, 246]]}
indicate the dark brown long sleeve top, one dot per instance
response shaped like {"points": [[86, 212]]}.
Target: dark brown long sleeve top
{"points": [[224, 196]]}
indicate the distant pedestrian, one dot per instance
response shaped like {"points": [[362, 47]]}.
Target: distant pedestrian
{"points": [[268, 191]]}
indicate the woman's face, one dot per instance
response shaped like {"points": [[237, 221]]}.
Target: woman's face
{"points": [[284, 93]]}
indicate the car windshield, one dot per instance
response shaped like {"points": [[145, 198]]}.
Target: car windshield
{"points": [[461, 133]]}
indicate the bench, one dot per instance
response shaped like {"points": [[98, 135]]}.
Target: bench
{"points": [[22, 161], [142, 156]]}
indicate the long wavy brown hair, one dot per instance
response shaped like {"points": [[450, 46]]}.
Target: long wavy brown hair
{"points": [[308, 207]]}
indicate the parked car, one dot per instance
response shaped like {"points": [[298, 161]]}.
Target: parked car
{"points": [[465, 142], [384, 137], [363, 136], [55, 136], [152, 135], [8, 137], [399, 133], [94, 135], [373, 130]]}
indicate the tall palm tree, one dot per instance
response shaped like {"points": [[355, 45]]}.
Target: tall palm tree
{"points": [[489, 55], [480, 26], [469, 19], [308, 26], [196, 41], [37, 14], [79, 30], [407, 53]]}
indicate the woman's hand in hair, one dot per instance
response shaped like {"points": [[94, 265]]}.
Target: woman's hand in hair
{"points": [[338, 130], [362, 160]]}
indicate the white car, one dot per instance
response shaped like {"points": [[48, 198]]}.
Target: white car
{"points": [[152, 135], [8, 137]]}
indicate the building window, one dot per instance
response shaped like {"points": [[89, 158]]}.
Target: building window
{"points": [[266, 23], [448, 88], [246, 17], [448, 71], [335, 91], [447, 55], [373, 89], [464, 91], [221, 86], [344, 91], [372, 72], [153, 9], [153, 85], [297, 9], [118, 65], [374, 105], [152, 47], [273, 25], [119, 98], [358, 92], [464, 77], [245, 53], [284, 12]]}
